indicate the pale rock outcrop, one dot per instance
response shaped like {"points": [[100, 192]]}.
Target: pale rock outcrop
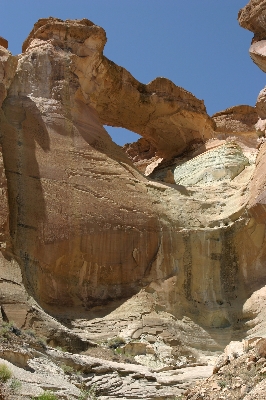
{"points": [[257, 52], [221, 164], [238, 374], [101, 378]]}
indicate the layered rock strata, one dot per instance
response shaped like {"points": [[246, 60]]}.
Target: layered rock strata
{"points": [[172, 264]]}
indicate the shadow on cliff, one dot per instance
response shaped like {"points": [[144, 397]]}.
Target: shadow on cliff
{"points": [[90, 128], [22, 129]]}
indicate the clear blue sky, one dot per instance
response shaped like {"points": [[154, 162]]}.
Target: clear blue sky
{"points": [[198, 44]]}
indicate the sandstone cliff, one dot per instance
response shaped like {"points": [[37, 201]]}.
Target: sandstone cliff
{"points": [[170, 266]]}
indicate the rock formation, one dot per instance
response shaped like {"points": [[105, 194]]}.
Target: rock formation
{"points": [[238, 374], [167, 268], [252, 17], [142, 153]]}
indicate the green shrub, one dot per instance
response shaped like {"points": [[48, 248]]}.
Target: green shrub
{"points": [[15, 384], [46, 396], [63, 349], [5, 373], [41, 341], [89, 394], [222, 384], [84, 395], [116, 342], [5, 331], [67, 369], [30, 332]]}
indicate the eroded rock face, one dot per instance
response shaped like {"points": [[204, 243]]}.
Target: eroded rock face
{"points": [[169, 261], [169, 117], [253, 18], [239, 361], [239, 120], [86, 227], [3, 42], [8, 65], [72, 191], [141, 153], [206, 169]]}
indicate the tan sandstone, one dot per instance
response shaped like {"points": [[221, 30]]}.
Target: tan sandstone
{"points": [[172, 264], [3, 42]]}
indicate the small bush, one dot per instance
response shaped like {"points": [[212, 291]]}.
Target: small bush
{"points": [[67, 369], [15, 385], [7, 328], [46, 396], [5, 331], [42, 342], [89, 394], [222, 384], [63, 349], [116, 342], [5, 373], [30, 332], [84, 395]]}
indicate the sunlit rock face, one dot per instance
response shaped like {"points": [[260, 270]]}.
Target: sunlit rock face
{"points": [[221, 164], [253, 18], [166, 115], [185, 244]]}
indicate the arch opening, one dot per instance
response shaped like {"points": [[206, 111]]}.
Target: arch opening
{"points": [[121, 136]]}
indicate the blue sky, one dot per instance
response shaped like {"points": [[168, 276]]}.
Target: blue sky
{"points": [[198, 44]]}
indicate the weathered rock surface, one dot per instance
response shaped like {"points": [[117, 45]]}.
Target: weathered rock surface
{"points": [[257, 52], [239, 120], [39, 368], [253, 18], [171, 265], [169, 117], [8, 65], [260, 104], [221, 164], [239, 374], [142, 153], [3, 42]]}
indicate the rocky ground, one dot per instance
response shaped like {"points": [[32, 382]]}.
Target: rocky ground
{"points": [[240, 373], [36, 368]]}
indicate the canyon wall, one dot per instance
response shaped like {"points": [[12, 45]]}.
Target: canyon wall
{"points": [[173, 255]]}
